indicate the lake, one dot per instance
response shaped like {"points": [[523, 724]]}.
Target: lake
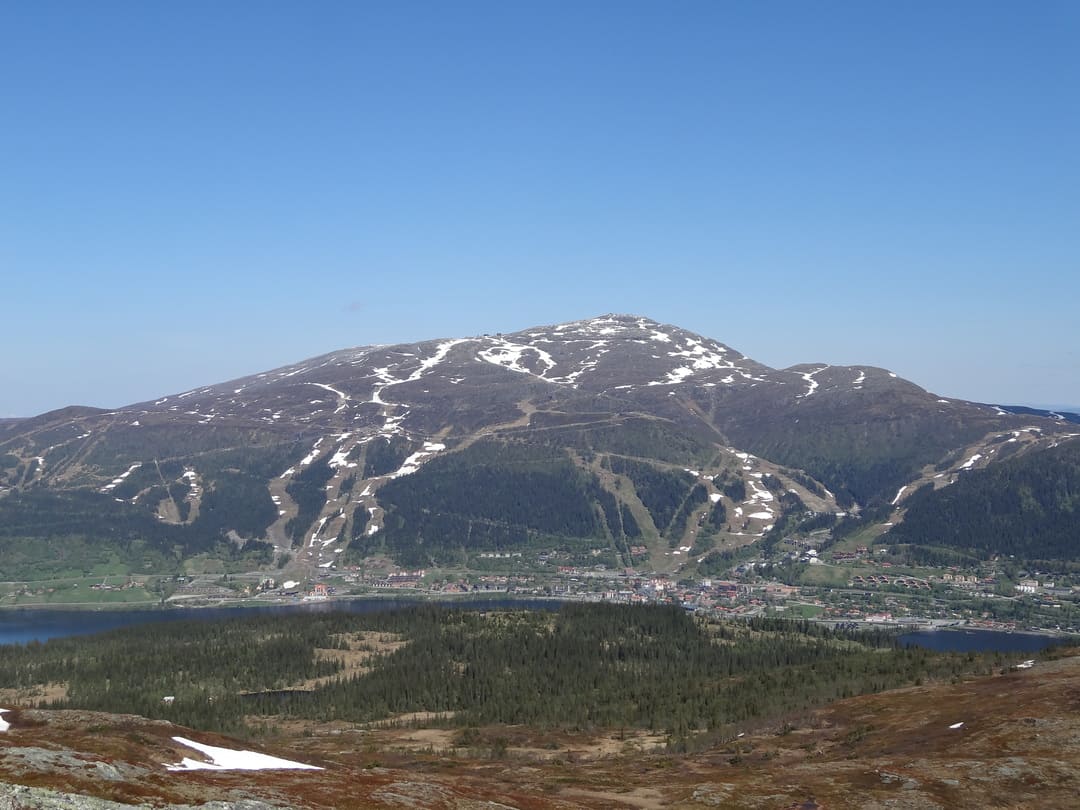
{"points": [[21, 626], [978, 641]]}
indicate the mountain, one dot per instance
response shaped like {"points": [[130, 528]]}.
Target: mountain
{"points": [[614, 439]]}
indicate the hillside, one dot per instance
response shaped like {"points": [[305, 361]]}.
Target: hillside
{"points": [[644, 435], [1028, 506]]}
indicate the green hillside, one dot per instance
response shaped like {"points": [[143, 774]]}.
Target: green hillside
{"points": [[1028, 506]]}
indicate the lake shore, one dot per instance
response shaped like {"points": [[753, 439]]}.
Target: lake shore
{"points": [[202, 602]]}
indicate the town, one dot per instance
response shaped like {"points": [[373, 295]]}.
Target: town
{"points": [[858, 587]]}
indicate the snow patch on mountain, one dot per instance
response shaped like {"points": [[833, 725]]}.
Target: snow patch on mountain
{"points": [[675, 376], [702, 357], [509, 355], [343, 398], [413, 462], [809, 377], [311, 456], [387, 378], [441, 351], [120, 479]]}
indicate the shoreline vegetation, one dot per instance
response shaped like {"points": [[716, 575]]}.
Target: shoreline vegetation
{"points": [[419, 597], [204, 603], [404, 600]]}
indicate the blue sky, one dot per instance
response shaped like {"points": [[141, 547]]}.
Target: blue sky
{"points": [[191, 192]]}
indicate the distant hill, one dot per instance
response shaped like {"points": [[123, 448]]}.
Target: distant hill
{"points": [[1061, 414]]}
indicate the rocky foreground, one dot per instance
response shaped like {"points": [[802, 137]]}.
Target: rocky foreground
{"points": [[1011, 739]]}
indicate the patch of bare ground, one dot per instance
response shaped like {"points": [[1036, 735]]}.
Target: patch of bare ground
{"points": [[1018, 747], [359, 649], [36, 695], [645, 798], [519, 743], [420, 739]]}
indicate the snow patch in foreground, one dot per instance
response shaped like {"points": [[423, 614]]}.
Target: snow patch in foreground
{"points": [[225, 759]]}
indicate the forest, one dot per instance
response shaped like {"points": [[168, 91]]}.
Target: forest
{"points": [[43, 531], [531, 492], [582, 666], [661, 491], [1027, 506]]}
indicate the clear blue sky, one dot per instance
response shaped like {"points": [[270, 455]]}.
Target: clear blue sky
{"points": [[194, 191]]}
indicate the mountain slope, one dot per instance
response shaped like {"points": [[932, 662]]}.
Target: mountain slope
{"points": [[1028, 506], [396, 449]]}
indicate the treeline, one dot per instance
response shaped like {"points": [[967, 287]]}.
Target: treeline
{"points": [[585, 666], [1027, 506], [631, 436], [122, 444]]}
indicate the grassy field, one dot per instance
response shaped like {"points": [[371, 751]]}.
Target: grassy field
{"points": [[804, 611], [831, 575], [74, 590], [866, 536]]}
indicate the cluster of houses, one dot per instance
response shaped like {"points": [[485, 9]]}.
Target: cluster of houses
{"points": [[1032, 585], [964, 580], [875, 580], [851, 556], [320, 590], [105, 586], [503, 581], [401, 579]]}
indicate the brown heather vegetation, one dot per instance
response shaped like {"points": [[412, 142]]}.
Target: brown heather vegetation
{"points": [[1019, 747]]}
